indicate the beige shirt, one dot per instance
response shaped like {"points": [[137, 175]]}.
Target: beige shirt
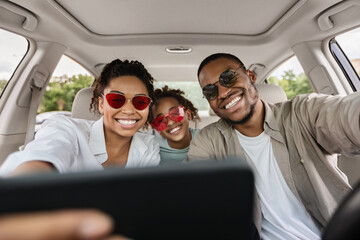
{"points": [[306, 133]]}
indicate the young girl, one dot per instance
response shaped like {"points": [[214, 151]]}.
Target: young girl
{"points": [[169, 116], [122, 94]]}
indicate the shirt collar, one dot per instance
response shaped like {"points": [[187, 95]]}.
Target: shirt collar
{"points": [[139, 144], [138, 147], [97, 138], [270, 121]]}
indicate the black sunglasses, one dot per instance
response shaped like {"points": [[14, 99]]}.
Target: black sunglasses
{"points": [[227, 79]]}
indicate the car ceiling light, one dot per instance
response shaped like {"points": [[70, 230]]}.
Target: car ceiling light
{"points": [[178, 49]]}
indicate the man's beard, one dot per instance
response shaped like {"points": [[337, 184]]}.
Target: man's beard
{"points": [[245, 119], [251, 112]]}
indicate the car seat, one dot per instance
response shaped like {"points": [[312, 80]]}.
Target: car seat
{"points": [[81, 105]]}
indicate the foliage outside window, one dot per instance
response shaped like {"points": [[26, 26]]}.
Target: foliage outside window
{"points": [[2, 84], [61, 91], [292, 83], [68, 78]]}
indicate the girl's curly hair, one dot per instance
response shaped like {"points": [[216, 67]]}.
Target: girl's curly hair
{"points": [[118, 68], [164, 92]]}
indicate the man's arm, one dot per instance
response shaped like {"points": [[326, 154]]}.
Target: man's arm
{"points": [[334, 121], [201, 147]]}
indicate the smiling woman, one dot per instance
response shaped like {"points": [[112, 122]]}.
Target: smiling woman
{"points": [[113, 140]]}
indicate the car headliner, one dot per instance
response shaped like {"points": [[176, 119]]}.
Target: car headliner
{"points": [[96, 32]]}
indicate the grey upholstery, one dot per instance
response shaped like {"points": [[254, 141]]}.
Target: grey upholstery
{"points": [[80, 109], [271, 93], [81, 105]]}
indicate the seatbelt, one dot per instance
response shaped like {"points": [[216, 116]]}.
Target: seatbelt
{"points": [[37, 82], [35, 92]]}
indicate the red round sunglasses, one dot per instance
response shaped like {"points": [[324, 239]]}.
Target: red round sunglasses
{"points": [[176, 114], [117, 100]]}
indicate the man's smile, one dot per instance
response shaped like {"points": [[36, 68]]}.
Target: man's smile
{"points": [[233, 102]]}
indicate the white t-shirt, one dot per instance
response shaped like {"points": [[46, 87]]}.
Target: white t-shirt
{"points": [[283, 216], [171, 155], [76, 144]]}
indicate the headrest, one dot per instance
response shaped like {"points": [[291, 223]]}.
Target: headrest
{"points": [[81, 105], [270, 93]]}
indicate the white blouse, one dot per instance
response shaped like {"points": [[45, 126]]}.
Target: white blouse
{"points": [[72, 144]]}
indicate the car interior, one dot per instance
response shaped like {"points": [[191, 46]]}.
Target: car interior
{"points": [[171, 38]]}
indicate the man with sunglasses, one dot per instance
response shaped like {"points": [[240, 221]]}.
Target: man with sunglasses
{"points": [[291, 146]]}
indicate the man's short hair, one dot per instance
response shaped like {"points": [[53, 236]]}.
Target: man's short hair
{"points": [[217, 56]]}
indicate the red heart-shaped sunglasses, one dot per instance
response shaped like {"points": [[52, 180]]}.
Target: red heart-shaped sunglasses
{"points": [[176, 114]]}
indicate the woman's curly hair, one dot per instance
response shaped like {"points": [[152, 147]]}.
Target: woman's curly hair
{"points": [[164, 92], [118, 68]]}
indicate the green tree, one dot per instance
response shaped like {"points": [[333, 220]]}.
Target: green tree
{"points": [[292, 84], [2, 85], [60, 93]]}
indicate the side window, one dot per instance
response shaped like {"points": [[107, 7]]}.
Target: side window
{"points": [[346, 51], [291, 77], [68, 78], [12, 48]]}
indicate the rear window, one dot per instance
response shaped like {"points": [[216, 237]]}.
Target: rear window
{"points": [[193, 93], [291, 77]]}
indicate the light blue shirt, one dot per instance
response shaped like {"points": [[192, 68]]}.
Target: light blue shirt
{"points": [[72, 144], [171, 155]]}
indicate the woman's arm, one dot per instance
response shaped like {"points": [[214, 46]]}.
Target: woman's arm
{"points": [[55, 147], [63, 224], [32, 167]]}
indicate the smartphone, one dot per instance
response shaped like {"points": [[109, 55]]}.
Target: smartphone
{"points": [[201, 200]]}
